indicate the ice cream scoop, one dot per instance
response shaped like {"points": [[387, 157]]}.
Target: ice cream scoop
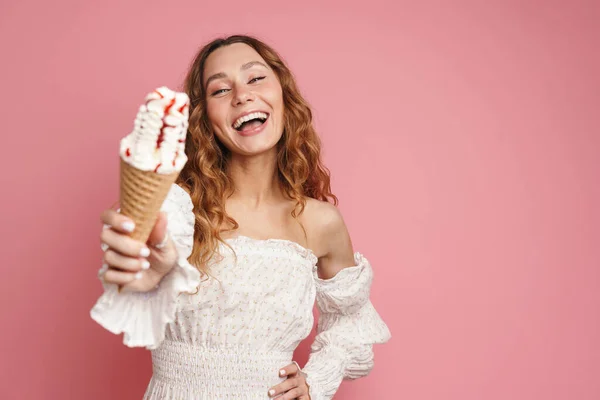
{"points": [[157, 142]]}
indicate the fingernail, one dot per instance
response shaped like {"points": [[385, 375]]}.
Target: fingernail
{"points": [[138, 275], [163, 243], [145, 264], [271, 392], [128, 226], [282, 372], [145, 252]]}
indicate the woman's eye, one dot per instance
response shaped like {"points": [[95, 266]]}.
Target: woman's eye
{"points": [[258, 78], [217, 92]]}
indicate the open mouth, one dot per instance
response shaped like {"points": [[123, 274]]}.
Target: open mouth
{"points": [[250, 121]]}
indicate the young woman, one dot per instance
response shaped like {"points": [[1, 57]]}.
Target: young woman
{"points": [[249, 238]]}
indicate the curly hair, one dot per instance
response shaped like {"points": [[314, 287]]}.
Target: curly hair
{"points": [[300, 169]]}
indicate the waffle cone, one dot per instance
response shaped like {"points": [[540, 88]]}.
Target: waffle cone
{"points": [[141, 196]]}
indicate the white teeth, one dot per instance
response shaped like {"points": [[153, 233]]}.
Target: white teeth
{"points": [[238, 122]]}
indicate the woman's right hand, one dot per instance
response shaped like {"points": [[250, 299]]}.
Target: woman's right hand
{"points": [[131, 264]]}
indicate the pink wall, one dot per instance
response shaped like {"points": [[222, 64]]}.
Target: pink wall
{"points": [[463, 138]]}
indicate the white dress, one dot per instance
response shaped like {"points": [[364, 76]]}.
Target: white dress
{"points": [[230, 339]]}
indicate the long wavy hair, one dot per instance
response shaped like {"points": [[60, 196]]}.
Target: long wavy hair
{"points": [[300, 169]]}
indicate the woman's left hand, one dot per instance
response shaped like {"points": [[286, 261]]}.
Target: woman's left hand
{"points": [[294, 387]]}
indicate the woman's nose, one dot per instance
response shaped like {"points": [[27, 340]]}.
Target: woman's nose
{"points": [[242, 95]]}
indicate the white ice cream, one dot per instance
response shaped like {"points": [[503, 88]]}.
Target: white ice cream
{"points": [[157, 142]]}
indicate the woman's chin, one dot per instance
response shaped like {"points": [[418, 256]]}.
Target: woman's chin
{"points": [[249, 151], [254, 145]]}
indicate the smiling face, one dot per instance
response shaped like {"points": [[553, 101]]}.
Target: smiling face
{"points": [[244, 100]]}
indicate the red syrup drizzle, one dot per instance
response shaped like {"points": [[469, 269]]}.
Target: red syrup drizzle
{"points": [[181, 110], [161, 135]]}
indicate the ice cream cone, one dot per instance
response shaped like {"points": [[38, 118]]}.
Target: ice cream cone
{"points": [[152, 156], [141, 197]]}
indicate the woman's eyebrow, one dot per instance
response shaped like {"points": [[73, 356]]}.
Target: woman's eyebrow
{"points": [[219, 75], [252, 64], [222, 75]]}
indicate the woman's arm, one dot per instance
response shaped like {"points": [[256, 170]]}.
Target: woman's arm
{"points": [[336, 246], [348, 323], [144, 316]]}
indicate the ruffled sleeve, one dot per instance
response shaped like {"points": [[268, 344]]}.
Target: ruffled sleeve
{"points": [[143, 317], [348, 327]]}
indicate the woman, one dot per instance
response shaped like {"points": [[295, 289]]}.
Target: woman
{"points": [[248, 240]]}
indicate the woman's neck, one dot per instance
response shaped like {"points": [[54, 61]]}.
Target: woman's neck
{"points": [[255, 179]]}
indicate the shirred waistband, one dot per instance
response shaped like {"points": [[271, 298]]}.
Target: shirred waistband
{"points": [[231, 369]]}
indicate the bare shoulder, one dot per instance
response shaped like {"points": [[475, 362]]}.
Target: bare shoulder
{"points": [[322, 215], [329, 237]]}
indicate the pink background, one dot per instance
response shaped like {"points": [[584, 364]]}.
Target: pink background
{"points": [[463, 138]]}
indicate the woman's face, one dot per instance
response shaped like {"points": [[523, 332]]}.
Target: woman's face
{"points": [[244, 99]]}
